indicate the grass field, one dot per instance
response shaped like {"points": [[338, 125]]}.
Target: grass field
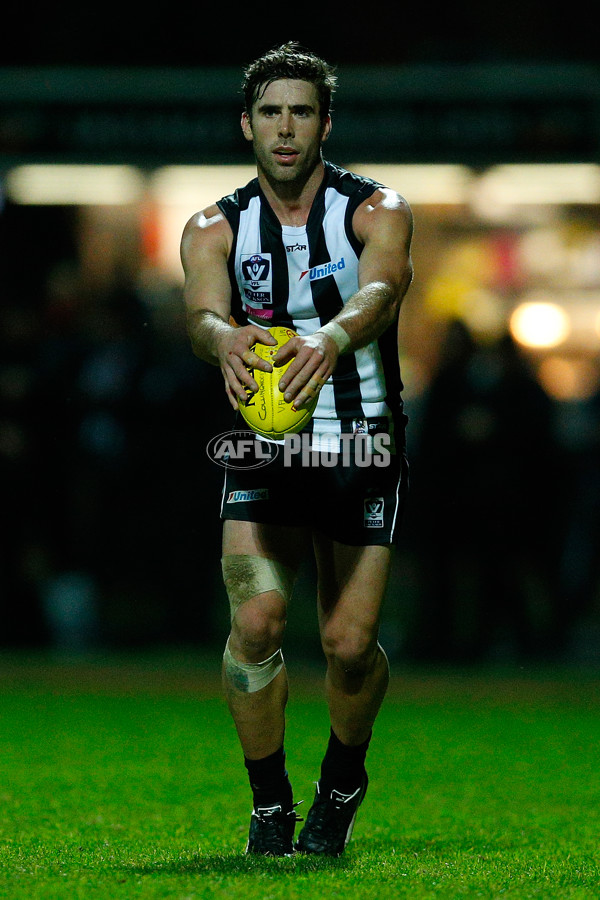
{"points": [[122, 778]]}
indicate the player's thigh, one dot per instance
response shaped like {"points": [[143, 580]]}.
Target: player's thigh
{"points": [[352, 582], [285, 543]]}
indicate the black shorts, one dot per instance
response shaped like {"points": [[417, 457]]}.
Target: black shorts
{"points": [[353, 496]]}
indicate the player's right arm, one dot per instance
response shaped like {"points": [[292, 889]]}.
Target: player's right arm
{"points": [[205, 248]]}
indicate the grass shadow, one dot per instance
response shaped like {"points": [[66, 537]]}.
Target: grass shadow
{"points": [[239, 864]]}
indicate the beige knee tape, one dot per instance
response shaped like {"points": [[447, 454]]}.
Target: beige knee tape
{"points": [[251, 677], [245, 576]]}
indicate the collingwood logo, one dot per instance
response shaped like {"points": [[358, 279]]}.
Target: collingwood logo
{"points": [[323, 270]]}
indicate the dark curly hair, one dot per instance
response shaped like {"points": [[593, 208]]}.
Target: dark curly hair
{"points": [[290, 60]]}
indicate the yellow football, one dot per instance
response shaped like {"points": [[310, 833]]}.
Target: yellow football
{"points": [[265, 411]]}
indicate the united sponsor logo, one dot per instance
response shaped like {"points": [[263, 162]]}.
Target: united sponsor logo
{"points": [[323, 270], [248, 496]]}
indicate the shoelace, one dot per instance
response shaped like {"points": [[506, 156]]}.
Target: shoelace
{"points": [[326, 815], [273, 821], [265, 812], [298, 818], [268, 812]]}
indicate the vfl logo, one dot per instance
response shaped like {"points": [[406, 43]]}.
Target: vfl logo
{"points": [[374, 512], [323, 270], [256, 268], [256, 279]]}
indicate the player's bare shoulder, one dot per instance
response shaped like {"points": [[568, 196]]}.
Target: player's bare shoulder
{"points": [[206, 233], [205, 247], [386, 210]]}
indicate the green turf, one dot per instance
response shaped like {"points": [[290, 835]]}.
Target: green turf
{"points": [[126, 781]]}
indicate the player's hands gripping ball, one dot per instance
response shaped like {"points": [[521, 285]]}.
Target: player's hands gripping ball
{"points": [[266, 411]]}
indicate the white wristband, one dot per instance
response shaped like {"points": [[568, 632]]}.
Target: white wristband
{"points": [[337, 334]]}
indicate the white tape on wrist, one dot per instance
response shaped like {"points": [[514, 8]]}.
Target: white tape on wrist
{"points": [[337, 334]]}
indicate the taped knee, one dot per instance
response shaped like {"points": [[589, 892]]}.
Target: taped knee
{"points": [[246, 575], [251, 677]]}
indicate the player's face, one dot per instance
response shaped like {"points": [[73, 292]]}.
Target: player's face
{"points": [[286, 130]]}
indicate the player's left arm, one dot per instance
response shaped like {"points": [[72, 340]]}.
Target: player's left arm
{"points": [[383, 223]]}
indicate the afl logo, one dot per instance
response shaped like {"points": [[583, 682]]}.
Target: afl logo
{"points": [[241, 450]]}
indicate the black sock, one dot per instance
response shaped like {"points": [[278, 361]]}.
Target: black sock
{"points": [[343, 767], [269, 780]]}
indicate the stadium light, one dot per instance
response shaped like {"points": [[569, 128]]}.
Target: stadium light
{"points": [[422, 184], [568, 379], [197, 186], [80, 185], [539, 324], [504, 188]]}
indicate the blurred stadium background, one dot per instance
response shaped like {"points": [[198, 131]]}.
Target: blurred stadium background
{"points": [[488, 121]]}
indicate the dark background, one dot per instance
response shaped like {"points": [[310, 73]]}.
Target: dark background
{"points": [[111, 536], [349, 34]]}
